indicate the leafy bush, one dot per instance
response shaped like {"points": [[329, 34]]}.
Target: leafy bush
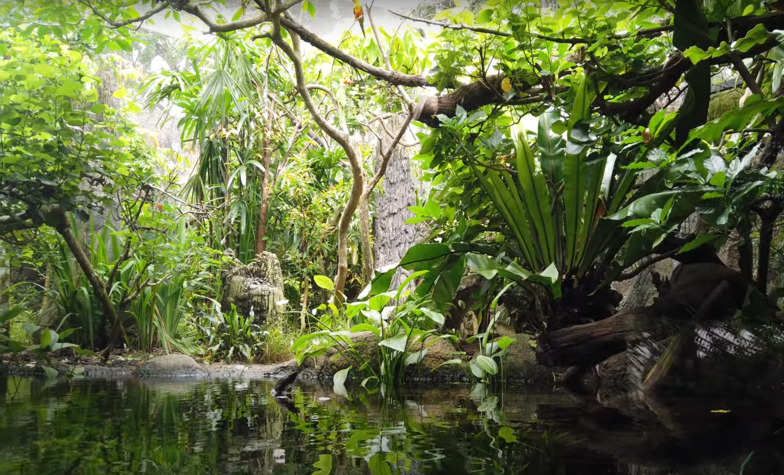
{"points": [[405, 332]]}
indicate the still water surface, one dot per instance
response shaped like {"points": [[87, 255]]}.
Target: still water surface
{"points": [[122, 426]]}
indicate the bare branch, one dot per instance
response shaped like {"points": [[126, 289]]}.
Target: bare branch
{"points": [[382, 167], [197, 11]]}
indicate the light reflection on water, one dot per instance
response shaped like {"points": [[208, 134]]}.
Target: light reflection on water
{"points": [[235, 427]]}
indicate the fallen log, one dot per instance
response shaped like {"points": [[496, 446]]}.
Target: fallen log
{"points": [[699, 291], [591, 343]]}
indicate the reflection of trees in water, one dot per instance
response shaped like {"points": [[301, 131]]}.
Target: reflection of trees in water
{"points": [[130, 427], [234, 427]]}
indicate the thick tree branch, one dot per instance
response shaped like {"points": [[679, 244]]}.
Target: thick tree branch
{"points": [[392, 77], [343, 139]]}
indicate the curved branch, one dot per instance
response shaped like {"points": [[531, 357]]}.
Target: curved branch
{"points": [[196, 10], [392, 77], [119, 24], [342, 138]]}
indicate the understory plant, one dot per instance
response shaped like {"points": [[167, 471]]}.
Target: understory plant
{"points": [[404, 329], [230, 336], [41, 342]]}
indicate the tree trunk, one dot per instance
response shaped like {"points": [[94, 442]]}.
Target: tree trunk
{"points": [[399, 189], [357, 187], [59, 221]]}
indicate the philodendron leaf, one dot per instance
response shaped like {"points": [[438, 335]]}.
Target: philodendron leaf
{"points": [[435, 316], [397, 342], [487, 364], [339, 382]]}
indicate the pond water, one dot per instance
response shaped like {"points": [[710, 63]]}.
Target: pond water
{"points": [[231, 426]]}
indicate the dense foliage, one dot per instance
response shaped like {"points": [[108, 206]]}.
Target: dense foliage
{"points": [[572, 144]]}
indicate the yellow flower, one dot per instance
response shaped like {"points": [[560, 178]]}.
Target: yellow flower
{"points": [[506, 85]]}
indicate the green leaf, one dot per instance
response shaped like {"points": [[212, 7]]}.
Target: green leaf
{"points": [[435, 316], [379, 466], [698, 241], [487, 364], [482, 265], [339, 382], [448, 281], [424, 256], [307, 6], [324, 282], [507, 433], [484, 16], [46, 338], [51, 373], [323, 464], [365, 327], [736, 119], [9, 315], [415, 357], [488, 404], [397, 342], [505, 341]]}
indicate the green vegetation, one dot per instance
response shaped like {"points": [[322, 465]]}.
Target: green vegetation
{"points": [[572, 145]]}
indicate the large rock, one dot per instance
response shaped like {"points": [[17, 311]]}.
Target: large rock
{"points": [[257, 287], [520, 364], [171, 366]]}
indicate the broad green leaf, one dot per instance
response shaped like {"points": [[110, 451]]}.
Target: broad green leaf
{"points": [[438, 318], [9, 315], [415, 357], [378, 465], [424, 256], [324, 282], [323, 464], [448, 282], [488, 404], [487, 364], [507, 433], [482, 265], [397, 342], [46, 338], [50, 372], [366, 327]]}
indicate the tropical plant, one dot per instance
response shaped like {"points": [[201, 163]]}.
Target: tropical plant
{"points": [[230, 336], [49, 341], [404, 331]]}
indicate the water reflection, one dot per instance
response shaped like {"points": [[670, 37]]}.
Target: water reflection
{"points": [[235, 427]]}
